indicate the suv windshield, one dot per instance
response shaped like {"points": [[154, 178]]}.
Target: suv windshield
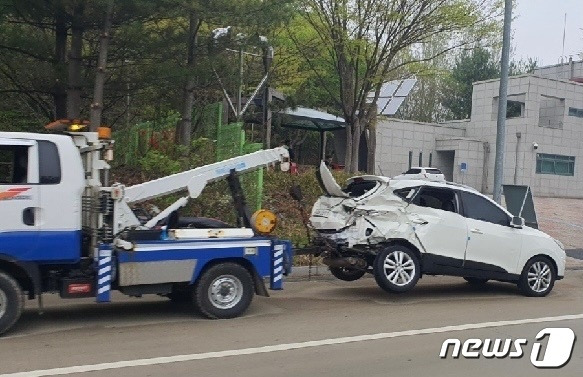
{"points": [[413, 171]]}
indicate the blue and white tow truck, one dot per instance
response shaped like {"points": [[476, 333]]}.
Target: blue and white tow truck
{"points": [[64, 230]]}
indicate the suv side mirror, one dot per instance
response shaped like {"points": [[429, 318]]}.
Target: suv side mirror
{"points": [[517, 222]]}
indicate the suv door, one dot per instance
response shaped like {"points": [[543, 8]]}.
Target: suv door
{"points": [[435, 214], [19, 198], [493, 245]]}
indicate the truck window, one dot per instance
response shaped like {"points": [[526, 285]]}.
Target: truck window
{"points": [[13, 164], [49, 163]]}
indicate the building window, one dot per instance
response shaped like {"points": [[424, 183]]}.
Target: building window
{"points": [[515, 106], [574, 112], [555, 164]]}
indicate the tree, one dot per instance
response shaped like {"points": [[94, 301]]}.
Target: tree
{"points": [[471, 66], [97, 105], [363, 41]]}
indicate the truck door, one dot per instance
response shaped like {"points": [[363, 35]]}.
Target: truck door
{"points": [[19, 198], [61, 184]]}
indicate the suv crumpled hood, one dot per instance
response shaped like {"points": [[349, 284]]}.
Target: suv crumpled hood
{"points": [[377, 215]]}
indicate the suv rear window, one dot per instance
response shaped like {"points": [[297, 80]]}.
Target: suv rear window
{"points": [[433, 171], [413, 171]]}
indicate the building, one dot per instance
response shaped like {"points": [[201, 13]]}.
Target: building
{"points": [[544, 136]]}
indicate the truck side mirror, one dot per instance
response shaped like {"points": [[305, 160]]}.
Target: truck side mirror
{"points": [[517, 222], [296, 192]]}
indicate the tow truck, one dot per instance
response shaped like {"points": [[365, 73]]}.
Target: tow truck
{"points": [[64, 229]]}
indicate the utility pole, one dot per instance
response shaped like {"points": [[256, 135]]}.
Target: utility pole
{"points": [[502, 103]]}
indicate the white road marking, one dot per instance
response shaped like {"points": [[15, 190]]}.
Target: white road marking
{"points": [[281, 347]]}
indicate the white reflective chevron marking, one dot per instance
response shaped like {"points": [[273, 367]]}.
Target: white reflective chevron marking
{"points": [[104, 280], [102, 290]]}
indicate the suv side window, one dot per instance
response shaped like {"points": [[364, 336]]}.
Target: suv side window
{"points": [[406, 193], [438, 198], [479, 208], [49, 163]]}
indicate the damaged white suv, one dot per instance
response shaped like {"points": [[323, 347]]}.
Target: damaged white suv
{"points": [[401, 229]]}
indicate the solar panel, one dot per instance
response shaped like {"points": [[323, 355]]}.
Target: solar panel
{"points": [[392, 95], [406, 87]]}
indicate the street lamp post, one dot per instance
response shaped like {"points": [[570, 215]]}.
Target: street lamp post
{"points": [[502, 104]]}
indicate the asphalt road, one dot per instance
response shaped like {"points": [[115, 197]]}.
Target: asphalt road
{"points": [[322, 328]]}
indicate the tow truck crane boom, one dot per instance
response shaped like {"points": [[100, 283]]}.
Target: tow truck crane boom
{"points": [[194, 181]]}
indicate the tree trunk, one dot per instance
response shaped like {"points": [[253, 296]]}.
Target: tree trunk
{"points": [[184, 127], [75, 63], [348, 154], [97, 105], [60, 64], [356, 145]]}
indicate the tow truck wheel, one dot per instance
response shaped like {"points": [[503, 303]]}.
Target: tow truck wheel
{"points": [[346, 274], [224, 291], [11, 302], [396, 269]]}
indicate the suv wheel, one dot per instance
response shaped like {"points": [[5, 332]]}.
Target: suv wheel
{"points": [[537, 278], [396, 269]]}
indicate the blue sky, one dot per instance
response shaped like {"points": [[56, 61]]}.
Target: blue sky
{"points": [[538, 30]]}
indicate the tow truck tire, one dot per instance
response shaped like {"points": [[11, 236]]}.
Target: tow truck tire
{"points": [[346, 274], [396, 269], [11, 302], [224, 291]]}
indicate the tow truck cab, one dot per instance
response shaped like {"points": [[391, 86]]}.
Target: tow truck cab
{"points": [[41, 187]]}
